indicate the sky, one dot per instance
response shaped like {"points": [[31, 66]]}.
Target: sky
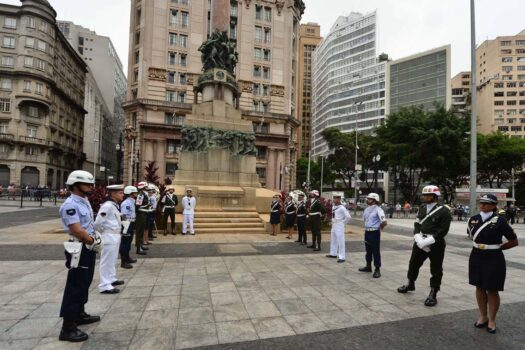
{"points": [[405, 27]]}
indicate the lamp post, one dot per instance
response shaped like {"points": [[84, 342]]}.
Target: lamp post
{"points": [[473, 116], [376, 159], [120, 155], [356, 187]]}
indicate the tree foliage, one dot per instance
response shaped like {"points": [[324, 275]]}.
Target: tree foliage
{"points": [[151, 173]]}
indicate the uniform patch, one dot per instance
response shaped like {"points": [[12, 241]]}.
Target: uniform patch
{"points": [[71, 212], [103, 214], [128, 207]]}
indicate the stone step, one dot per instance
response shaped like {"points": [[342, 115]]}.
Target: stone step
{"points": [[256, 230], [229, 225], [232, 214], [226, 220]]}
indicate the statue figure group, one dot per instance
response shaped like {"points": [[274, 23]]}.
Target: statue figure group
{"points": [[219, 52], [199, 139]]}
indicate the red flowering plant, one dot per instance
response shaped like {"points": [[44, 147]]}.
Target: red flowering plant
{"points": [[327, 204], [98, 196]]}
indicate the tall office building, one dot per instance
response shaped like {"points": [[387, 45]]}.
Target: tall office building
{"points": [[349, 80], [42, 82], [106, 87], [309, 38], [461, 92], [501, 85], [420, 80], [164, 63]]}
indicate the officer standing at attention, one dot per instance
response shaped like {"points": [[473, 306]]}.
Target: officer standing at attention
{"points": [[275, 214], [188, 211], [315, 213], [169, 201], [109, 224], [340, 218], [151, 216], [375, 221], [487, 268], [430, 228], [77, 217], [301, 220], [127, 209], [289, 209], [141, 209]]}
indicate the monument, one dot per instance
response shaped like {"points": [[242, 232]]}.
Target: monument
{"points": [[218, 153]]}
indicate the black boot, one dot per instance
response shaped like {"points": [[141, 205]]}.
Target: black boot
{"points": [[130, 261], [70, 332], [125, 264], [367, 268], [86, 319], [377, 273], [140, 251], [432, 298], [408, 287]]}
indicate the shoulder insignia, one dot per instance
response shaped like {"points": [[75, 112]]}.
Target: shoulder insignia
{"points": [[494, 220], [128, 207], [71, 212]]}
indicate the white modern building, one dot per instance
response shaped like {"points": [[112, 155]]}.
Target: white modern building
{"points": [[106, 87], [349, 79]]}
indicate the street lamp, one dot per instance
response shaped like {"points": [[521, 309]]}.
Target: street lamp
{"points": [[473, 116], [356, 188], [119, 158], [376, 160]]}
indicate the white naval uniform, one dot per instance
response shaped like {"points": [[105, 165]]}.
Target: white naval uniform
{"points": [[109, 224], [188, 211], [340, 218]]}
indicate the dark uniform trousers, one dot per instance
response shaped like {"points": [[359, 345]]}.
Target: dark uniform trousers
{"points": [[301, 228], [169, 212], [151, 222], [436, 256], [77, 285], [140, 225], [315, 226], [372, 246], [125, 242]]}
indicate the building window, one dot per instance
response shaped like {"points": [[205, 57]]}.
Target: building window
{"points": [[138, 16], [31, 150], [184, 41], [171, 77], [8, 61], [171, 146], [182, 79], [507, 69], [521, 68], [184, 19], [42, 46], [267, 35], [511, 85], [266, 73], [181, 97], [520, 42], [257, 71], [506, 77], [256, 105], [171, 168], [38, 88], [40, 65], [266, 107], [261, 152], [172, 39], [506, 59], [511, 103], [267, 55], [256, 89], [43, 27], [32, 111], [172, 58], [268, 14], [499, 85], [170, 96], [28, 61], [503, 128], [512, 93], [31, 131], [5, 106], [31, 22], [137, 37], [174, 14], [5, 84], [258, 12], [506, 43], [258, 34], [30, 42], [9, 42], [10, 23], [266, 90], [262, 173], [27, 85], [506, 52], [183, 60]]}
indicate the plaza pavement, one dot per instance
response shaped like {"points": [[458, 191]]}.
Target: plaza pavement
{"points": [[254, 292]]}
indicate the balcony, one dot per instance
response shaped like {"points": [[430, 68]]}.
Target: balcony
{"points": [[33, 141], [31, 157], [171, 156], [7, 138]]}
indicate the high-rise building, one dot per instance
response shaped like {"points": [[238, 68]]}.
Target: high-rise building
{"points": [[501, 85], [106, 87], [42, 82], [461, 92], [309, 38], [164, 63], [349, 80], [420, 80]]}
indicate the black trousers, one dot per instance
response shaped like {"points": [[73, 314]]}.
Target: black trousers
{"points": [[436, 256], [372, 246], [315, 226], [77, 285], [169, 212], [151, 223], [301, 229], [125, 242], [140, 226]]}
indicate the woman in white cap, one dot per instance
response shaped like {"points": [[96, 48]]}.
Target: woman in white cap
{"points": [[487, 268]]}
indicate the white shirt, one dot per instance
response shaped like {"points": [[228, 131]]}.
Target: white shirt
{"points": [[485, 216], [108, 219], [430, 207], [373, 216], [188, 205], [340, 215]]}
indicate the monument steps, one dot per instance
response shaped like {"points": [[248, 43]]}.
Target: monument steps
{"points": [[226, 214], [238, 221], [228, 224], [229, 220], [253, 230]]}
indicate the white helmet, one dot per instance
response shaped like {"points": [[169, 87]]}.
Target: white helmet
{"points": [[142, 185], [315, 193], [431, 189], [373, 196], [130, 189], [80, 176]]}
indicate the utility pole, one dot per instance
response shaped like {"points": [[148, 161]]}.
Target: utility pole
{"points": [[473, 116]]}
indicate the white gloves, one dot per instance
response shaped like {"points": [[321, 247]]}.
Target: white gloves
{"points": [[423, 242], [97, 245]]}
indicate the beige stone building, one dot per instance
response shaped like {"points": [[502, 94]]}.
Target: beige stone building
{"points": [[41, 98], [461, 92], [501, 85], [309, 38], [164, 63]]}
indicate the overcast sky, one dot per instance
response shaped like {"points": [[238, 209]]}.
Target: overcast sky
{"points": [[405, 26]]}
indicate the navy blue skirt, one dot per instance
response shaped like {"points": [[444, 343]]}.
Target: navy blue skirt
{"points": [[487, 269], [275, 218], [290, 220]]}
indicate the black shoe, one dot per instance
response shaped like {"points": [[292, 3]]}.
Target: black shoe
{"points": [[297, 241], [317, 249], [141, 252], [145, 248], [149, 243], [173, 233], [111, 291], [481, 325], [340, 260], [87, 319], [367, 268], [409, 287], [73, 335], [310, 246], [125, 265], [491, 330], [131, 261], [376, 274], [331, 256], [117, 283], [432, 298]]}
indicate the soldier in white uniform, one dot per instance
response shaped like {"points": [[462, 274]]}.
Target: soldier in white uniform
{"points": [[188, 210], [109, 224], [340, 218]]}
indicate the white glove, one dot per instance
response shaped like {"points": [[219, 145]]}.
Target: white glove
{"points": [[418, 238], [97, 245], [429, 240]]}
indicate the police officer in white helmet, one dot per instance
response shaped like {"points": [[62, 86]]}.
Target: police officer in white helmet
{"points": [[127, 208], [375, 220]]}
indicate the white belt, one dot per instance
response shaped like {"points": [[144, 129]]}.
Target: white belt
{"points": [[275, 211], [486, 246], [335, 222], [145, 210], [166, 207], [290, 213], [316, 213], [300, 215], [371, 229]]}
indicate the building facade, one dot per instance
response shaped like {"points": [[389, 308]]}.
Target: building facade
{"points": [[420, 80], [106, 87], [461, 92], [309, 38], [501, 85], [349, 88], [42, 82], [164, 63]]}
